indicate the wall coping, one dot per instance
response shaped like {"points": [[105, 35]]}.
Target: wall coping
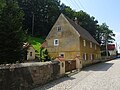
{"points": [[29, 64]]}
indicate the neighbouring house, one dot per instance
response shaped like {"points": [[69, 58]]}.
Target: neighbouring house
{"points": [[112, 51], [69, 40], [29, 51]]}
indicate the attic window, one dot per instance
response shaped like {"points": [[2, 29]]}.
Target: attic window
{"points": [[56, 42], [59, 28]]}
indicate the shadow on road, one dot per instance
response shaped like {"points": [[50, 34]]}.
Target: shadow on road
{"points": [[55, 82], [98, 67]]}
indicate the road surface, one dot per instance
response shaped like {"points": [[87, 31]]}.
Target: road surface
{"points": [[102, 76]]}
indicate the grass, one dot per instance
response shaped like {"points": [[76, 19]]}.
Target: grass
{"points": [[35, 42]]}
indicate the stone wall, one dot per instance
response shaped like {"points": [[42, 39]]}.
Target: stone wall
{"points": [[26, 76]]}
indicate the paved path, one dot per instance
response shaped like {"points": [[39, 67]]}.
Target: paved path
{"points": [[102, 76]]}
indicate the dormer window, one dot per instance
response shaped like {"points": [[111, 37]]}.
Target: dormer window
{"points": [[59, 28]]}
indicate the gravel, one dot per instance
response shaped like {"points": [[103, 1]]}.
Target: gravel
{"points": [[102, 76]]}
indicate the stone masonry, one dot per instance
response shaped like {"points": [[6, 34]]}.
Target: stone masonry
{"points": [[26, 76]]}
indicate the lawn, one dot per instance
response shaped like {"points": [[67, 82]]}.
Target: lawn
{"points": [[36, 42]]}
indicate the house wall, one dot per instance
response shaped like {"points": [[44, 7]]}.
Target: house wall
{"points": [[86, 49], [68, 40], [70, 43], [31, 57]]}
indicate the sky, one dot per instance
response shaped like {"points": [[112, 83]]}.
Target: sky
{"points": [[105, 11]]}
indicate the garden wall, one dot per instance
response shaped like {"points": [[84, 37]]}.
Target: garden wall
{"points": [[26, 76]]}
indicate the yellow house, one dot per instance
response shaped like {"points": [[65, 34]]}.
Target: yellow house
{"points": [[69, 40]]}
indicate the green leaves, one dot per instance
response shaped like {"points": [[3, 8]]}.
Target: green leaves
{"points": [[45, 14], [90, 24], [11, 32], [105, 34]]}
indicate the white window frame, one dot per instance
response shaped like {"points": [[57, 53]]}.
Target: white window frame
{"points": [[59, 28], [56, 44], [85, 56], [63, 54], [90, 44], [84, 43], [91, 56]]}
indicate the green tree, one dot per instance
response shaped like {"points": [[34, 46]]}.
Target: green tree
{"points": [[104, 34], [90, 24], [40, 15], [68, 11], [11, 33], [87, 22]]}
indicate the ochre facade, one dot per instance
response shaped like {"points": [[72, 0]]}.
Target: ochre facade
{"points": [[95, 50], [70, 43]]}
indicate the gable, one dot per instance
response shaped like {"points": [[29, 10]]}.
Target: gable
{"points": [[67, 37], [65, 26]]}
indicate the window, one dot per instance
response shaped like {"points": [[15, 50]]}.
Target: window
{"points": [[84, 56], [56, 42], [95, 46], [59, 28], [84, 43], [90, 44], [30, 53], [92, 56], [96, 56], [62, 55]]}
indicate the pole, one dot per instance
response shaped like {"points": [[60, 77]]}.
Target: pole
{"points": [[33, 23], [106, 43], [106, 49]]}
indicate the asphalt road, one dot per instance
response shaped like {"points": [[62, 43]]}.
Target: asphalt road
{"points": [[102, 76]]}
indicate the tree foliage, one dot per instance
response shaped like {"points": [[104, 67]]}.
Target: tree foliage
{"points": [[90, 24], [11, 34], [105, 34], [45, 14], [39, 17], [47, 11]]}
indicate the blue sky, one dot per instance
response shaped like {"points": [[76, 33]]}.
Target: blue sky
{"points": [[107, 11]]}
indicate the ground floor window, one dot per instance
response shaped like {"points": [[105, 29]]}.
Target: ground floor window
{"points": [[62, 55], [92, 56], [84, 56]]}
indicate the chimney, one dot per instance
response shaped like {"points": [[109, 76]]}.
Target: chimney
{"points": [[76, 20]]}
